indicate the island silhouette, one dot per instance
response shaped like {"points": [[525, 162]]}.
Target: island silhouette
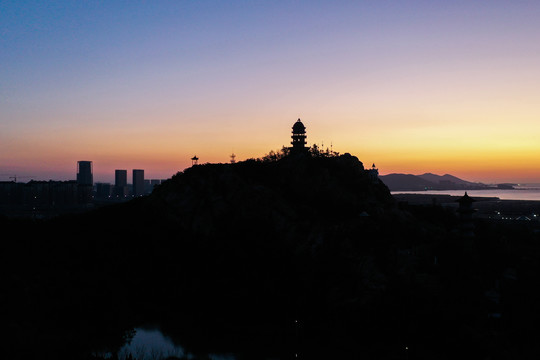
{"points": [[429, 181]]}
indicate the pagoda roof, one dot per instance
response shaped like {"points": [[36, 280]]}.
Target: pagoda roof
{"points": [[298, 127]]}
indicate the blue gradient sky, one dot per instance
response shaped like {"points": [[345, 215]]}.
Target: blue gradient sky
{"points": [[414, 86]]}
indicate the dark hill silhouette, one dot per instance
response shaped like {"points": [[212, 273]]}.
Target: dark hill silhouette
{"points": [[227, 257], [290, 189]]}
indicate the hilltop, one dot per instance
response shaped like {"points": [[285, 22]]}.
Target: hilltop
{"points": [[301, 188]]}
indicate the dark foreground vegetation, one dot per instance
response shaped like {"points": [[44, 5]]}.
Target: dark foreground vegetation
{"points": [[227, 257]]}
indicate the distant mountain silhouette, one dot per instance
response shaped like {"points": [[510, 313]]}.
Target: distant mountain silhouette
{"points": [[405, 182], [434, 178], [428, 181]]}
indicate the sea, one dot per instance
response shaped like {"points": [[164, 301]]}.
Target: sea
{"points": [[520, 192]]}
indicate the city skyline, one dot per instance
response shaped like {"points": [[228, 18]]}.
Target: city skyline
{"points": [[105, 178], [414, 86]]}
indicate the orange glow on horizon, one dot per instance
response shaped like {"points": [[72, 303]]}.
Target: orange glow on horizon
{"points": [[496, 157]]}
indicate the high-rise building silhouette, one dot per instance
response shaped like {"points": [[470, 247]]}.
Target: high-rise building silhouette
{"points": [[120, 177], [85, 181], [138, 182], [120, 184], [84, 173]]}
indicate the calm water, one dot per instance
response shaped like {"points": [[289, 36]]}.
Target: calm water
{"points": [[152, 344], [522, 193]]}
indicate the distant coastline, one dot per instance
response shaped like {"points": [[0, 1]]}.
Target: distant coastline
{"points": [[447, 182], [529, 194]]}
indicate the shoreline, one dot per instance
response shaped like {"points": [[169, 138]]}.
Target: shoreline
{"points": [[527, 194], [491, 207]]}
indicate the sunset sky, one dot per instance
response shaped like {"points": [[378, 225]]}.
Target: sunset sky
{"points": [[412, 86]]}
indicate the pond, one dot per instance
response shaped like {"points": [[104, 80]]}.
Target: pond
{"points": [[152, 343], [149, 343]]}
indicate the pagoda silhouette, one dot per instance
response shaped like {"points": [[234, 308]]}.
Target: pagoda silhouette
{"points": [[298, 138]]}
